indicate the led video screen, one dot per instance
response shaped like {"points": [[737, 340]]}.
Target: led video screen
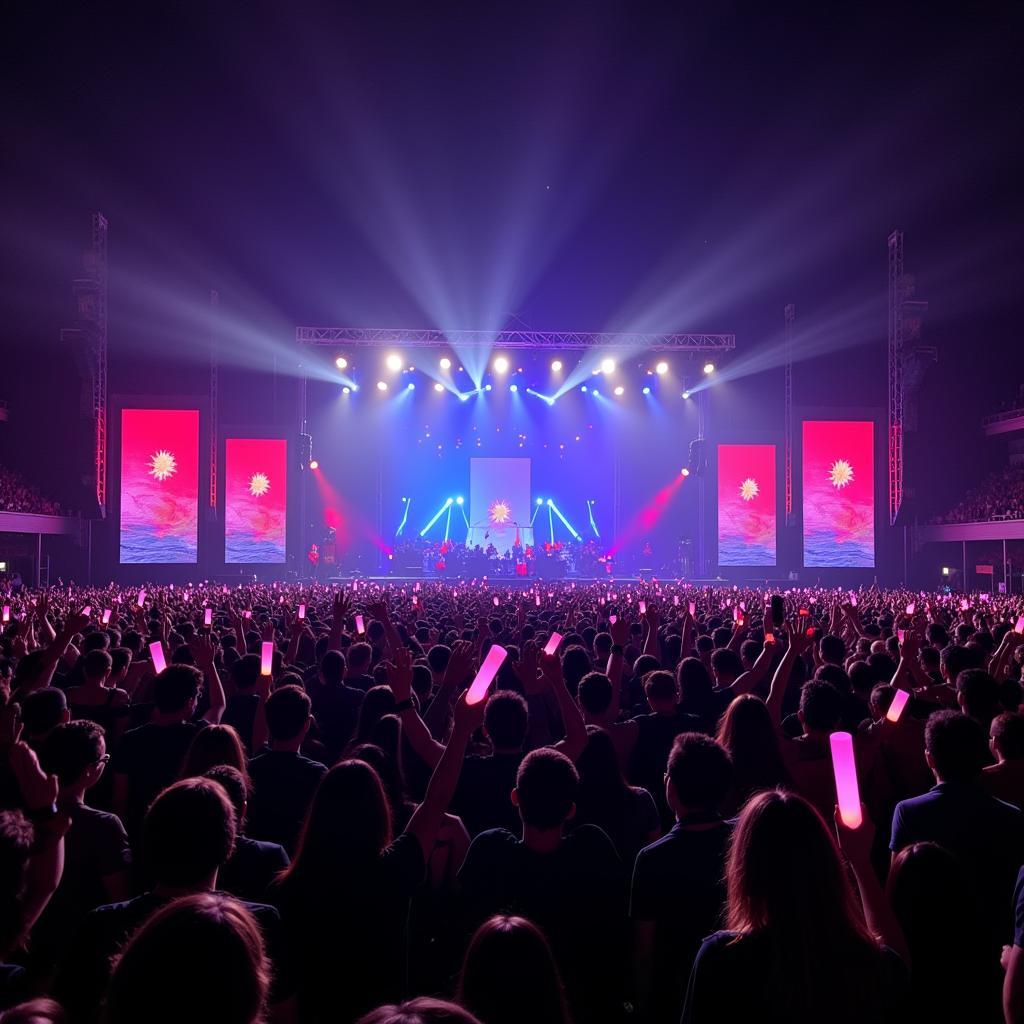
{"points": [[255, 500], [499, 503], [746, 504]]}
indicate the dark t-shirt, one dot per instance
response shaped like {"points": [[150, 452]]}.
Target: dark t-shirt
{"points": [[678, 885], [573, 894], [736, 978], [655, 736], [253, 868], [240, 713], [336, 710], [347, 933], [152, 757], [283, 785], [483, 799]]}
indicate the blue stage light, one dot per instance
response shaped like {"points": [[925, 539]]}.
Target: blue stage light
{"points": [[584, 389], [410, 386], [540, 501], [487, 387], [513, 388], [459, 500], [647, 391]]}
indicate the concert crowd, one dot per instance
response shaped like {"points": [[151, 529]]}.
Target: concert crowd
{"points": [[277, 803], [18, 495], [999, 496]]}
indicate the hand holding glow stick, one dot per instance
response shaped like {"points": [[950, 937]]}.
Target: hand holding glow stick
{"points": [[208, 617], [844, 767], [643, 607], [488, 670], [899, 702], [7, 613], [552, 645], [613, 619], [142, 599], [106, 616], [675, 600], [87, 610], [693, 607], [266, 657], [156, 654], [495, 602], [359, 624], [911, 607], [1019, 628], [302, 611]]}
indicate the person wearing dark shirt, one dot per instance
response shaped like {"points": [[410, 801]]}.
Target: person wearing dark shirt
{"points": [[283, 781], [357, 675], [188, 835], [240, 710], [336, 704], [570, 885], [1013, 960], [150, 757], [985, 834], [677, 891]]}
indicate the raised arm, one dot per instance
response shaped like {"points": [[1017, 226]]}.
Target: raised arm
{"points": [[652, 621], [204, 653], [620, 634], [798, 643], [455, 674], [400, 681], [572, 720], [758, 672]]}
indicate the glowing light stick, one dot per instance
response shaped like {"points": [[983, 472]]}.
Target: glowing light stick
{"points": [[853, 600], [156, 653], [488, 670], [675, 600], [266, 657], [536, 601], [415, 600], [208, 617], [359, 624], [87, 610], [743, 606], [964, 605], [844, 767], [142, 599], [613, 619], [899, 702], [769, 638], [900, 634], [911, 607], [495, 602], [106, 616], [1019, 628], [302, 611], [643, 607], [247, 614], [553, 641], [7, 613], [693, 607]]}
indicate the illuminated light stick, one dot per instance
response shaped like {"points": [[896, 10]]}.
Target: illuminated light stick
{"points": [[613, 619], [87, 610], [415, 600], [7, 613], [911, 607], [495, 601], [743, 606], [899, 702], [224, 590], [1019, 628], [280, 600], [553, 641], [964, 605], [247, 614], [853, 600], [106, 616], [302, 611], [536, 601], [208, 617], [488, 670], [693, 607], [359, 624], [736, 617], [156, 654], [900, 634], [142, 599], [769, 638], [844, 767], [266, 657], [643, 607], [675, 600]]}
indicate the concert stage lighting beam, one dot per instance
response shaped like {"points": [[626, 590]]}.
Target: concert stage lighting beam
{"points": [[590, 513], [407, 502], [448, 523], [382, 385], [437, 515], [439, 386], [446, 363], [314, 464], [620, 391], [646, 391], [554, 508], [556, 366], [546, 398]]}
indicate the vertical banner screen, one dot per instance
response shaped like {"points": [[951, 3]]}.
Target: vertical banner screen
{"points": [[839, 493], [746, 504], [499, 503], [255, 500], [159, 485]]}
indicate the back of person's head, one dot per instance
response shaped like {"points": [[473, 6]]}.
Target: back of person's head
{"points": [[955, 659], [43, 710], [660, 688], [214, 745], [821, 706], [16, 839], [726, 664], [348, 824], [862, 678], [747, 732], [97, 664], [72, 749], [598, 767], [695, 683], [595, 693], [721, 636], [176, 687], [978, 693], [1007, 736], [120, 659], [188, 832], [834, 674], [699, 772], [245, 673], [438, 657], [832, 649], [333, 667], [955, 745], [422, 1010], [359, 657], [644, 664], [509, 975], [506, 718], [883, 666], [378, 702], [199, 959], [546, 787], [235, 784], [35, 1011], [287, 713], [575, 665]]}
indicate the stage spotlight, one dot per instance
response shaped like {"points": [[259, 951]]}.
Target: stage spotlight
{"points": [[556, 366], [487, 387], [549, 501], [646, 391], [446, 363], [594, 391], [513, 388], [346, 390], [341, 363], [501, 365], [685, 471], [382, 385], [661, 368], [620, 390], [686, 395], [314, 464], [394, 362], [584, 389], [709, 368], [459, 500], [410, 386], [463, 397], [439, 386], [540, 501], [607, 365]]}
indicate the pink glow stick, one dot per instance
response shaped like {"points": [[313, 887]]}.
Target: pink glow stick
{"points": [[844, 767], [7, 613], [224, 590], [643, 607], [266, 657], [911, 607], [613, 619], [247, 614], [87, 610], [495, 601], [488, 670], [693, 607], [853, 600], [536, 600], [899, 702], [553, 641], [106, 616], [1019, 628], [415, 600], [900, 634], [302, 611], [675, 600], [359, 624], [964, 604], [142, 598], [156, 653], [743, 606], [208, 617]]}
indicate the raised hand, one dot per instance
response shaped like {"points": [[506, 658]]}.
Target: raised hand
{"points": [[203, 649], [526, 668], [38, 789], [400, 674], [620, 631]]}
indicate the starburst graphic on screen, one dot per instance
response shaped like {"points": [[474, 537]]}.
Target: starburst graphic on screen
{"points": [[749, 489], [162, 464], [841, 474], [259, 484], [500, 512]]}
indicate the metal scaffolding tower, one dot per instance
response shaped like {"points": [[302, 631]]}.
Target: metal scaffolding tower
{"points": [[214, 404], [897, 287], [790, 315]]}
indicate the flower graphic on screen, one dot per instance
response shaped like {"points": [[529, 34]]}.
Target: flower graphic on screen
{"points": [[500, 512], [259, 484], [162, 464], [840, 474], [749, 489]]}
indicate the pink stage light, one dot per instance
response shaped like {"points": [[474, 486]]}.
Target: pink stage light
{"points": [[553, 641], [266, 657], [156, 654], [899, 702], [844, 767], [488, 670]]}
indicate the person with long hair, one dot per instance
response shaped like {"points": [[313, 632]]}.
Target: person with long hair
{"points": [[345, 897], [797, 948], [420, 1011], [747, 733], [214, 746], [509, 975]]}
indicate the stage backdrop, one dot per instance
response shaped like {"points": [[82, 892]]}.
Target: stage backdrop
{"points": [[159, 485], [499, 502], [839, 493], [746, 504], [255, 499]]}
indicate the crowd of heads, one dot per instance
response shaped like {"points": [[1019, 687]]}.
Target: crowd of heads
{"points": [[18, 495], [999, 496]]}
